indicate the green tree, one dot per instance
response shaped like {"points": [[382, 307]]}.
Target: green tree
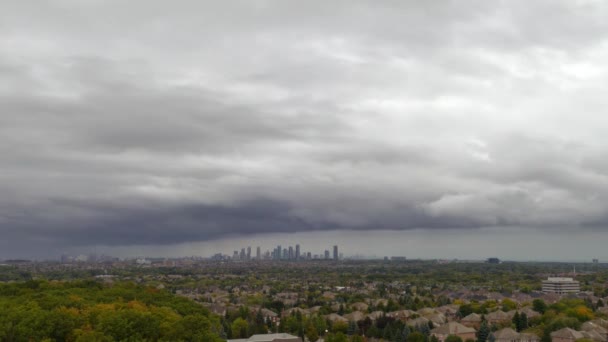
{"points": [[453, 338], [90, 336], [416, 337], [523, 321], [539, 306], [516, 321], [340, 337], [484, 331], [239, 328], [356, 338], [508, 305], [311, 333]]}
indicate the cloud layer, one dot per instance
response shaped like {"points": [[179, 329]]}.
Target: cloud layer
{"points": [[156, 123]]}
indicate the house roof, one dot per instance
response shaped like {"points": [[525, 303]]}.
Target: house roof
{"points": [[530, 313], [335, 317], [567, 333], [506, 334], [401, 313], [375, 315], [498, 315], [528, 337], [272, 337], [355, 316], [268, 338], [418, 321], [593, 335], [472, 318], [452, 328], [426, 311], [359, 306], [589, 326]]}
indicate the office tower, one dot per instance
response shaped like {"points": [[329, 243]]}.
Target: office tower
{"points": [[278, 252], [335, 252], [290, 253], [326, 254], [235, 255], [308, 255], [297, 252], [258, 253], [285, 253], [248, 252], [242, 253]]}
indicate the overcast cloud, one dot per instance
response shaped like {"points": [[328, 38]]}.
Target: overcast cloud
{"points": [[160, 123]]}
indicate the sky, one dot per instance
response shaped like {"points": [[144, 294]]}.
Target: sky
{"points": [[417, 128]]}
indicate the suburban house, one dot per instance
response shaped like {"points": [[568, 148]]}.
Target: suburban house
{"points": [[453, 328], [498, 317], [355, 316], [506, 335], [510, 335], [594, 327], [472, 321], [566, 335]]}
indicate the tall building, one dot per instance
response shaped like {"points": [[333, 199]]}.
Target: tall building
{"points": [[326, 254], [248, 252], [561, 285], [278, 252], [290, 254], [258, 253], [336, 252], [243, 254], [298, 251]]}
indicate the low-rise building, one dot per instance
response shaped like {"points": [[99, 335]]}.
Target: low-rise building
{"points": [[497, 317], [472, 321], [510, 335], [566, 335], [561, 285], [453, 328], [269, 338]]}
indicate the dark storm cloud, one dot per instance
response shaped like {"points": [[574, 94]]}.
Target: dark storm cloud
{"points": [[143, 123]]}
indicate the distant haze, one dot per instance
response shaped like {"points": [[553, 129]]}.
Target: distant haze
{"points": [[420, 128]]}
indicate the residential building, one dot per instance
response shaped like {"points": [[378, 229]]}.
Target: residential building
{"points": [[497, 317], [510, 335], [566, 335], [453, 328], [472, 321]]}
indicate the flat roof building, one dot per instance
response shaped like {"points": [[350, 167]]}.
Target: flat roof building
{"points": [[561, 285], [269, 338]]}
